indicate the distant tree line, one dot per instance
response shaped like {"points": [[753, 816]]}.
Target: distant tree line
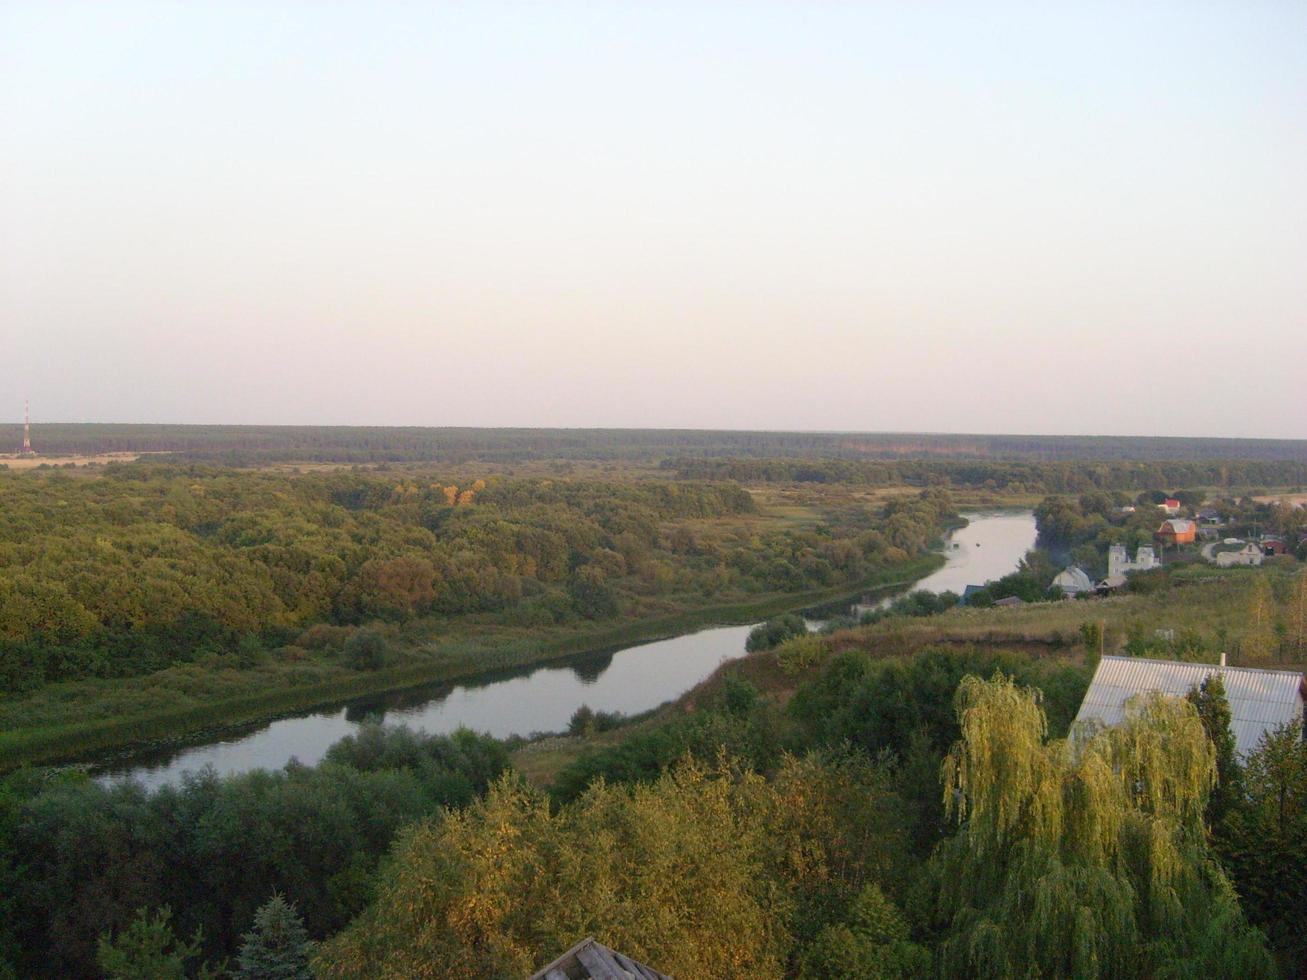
{"points": [[362, 444], [1115, 472]]}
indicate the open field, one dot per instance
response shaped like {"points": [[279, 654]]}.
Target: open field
{"points": [[1292, 499], [18, 463]]}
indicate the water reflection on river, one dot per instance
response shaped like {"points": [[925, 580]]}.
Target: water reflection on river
{"points": [[988, 548], [543, 698]]}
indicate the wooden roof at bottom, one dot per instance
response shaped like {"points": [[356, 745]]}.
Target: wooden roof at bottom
{"points": [[590, 960]]}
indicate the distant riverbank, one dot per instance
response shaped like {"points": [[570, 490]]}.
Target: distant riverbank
{"points": [[100, 739], [630, 679]]}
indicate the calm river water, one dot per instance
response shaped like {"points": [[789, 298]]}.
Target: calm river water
{"points": [[542, 699]]}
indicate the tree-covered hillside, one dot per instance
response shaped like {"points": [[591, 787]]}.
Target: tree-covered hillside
{"points": [[150, 565]]}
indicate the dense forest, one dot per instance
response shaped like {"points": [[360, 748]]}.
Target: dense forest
{"points": [[147, 601], [78, 857], [1015, 475], [358, 444], [147, 566]]}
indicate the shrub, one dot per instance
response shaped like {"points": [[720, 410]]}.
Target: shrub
{"points": [[366, 650], [585, 721], [799, 654], [323, 636], [591, 594], [774, 632]]}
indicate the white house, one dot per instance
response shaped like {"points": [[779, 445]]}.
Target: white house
{"points": [[1072, 581], [1249, 554], [1119, 563], [1260, 700]]}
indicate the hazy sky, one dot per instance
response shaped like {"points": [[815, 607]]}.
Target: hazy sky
{"points": [[971, 217]]}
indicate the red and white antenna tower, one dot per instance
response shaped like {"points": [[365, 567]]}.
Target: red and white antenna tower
{"points": [[27, 449]]}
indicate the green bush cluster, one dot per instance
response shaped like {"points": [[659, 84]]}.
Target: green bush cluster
{"points": [[79, 859]]}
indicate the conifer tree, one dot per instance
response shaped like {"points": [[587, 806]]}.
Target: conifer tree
{"points": [[278, 947], [1214, 712], [149, 950]]}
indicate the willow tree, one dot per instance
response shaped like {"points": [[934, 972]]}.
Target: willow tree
{"points": [[1083, 858]]}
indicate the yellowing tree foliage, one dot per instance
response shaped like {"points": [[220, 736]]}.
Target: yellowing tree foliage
{"points": [[1259, 642], [705, 873], [1298, 615], [1085, 858]]}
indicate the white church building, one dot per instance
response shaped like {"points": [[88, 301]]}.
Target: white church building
{"points": [[1119, 563]]}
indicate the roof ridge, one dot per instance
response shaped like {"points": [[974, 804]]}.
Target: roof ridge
{"points": [[1196, 663]]}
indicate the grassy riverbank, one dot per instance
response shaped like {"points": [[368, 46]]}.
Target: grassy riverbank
{"points": [[1194, 613], [75, 720]]}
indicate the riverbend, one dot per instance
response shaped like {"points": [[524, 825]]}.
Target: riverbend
{"points": [[542, 698]]}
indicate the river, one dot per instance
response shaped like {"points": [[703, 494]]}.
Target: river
{"points": [[543, 698]]}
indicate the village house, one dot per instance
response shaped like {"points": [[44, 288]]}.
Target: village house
{"points": [[1260, 700], [1111, 584], [1119, 563], [1172, 507], [1273, 544], [1073, 582], [1177, 531], [1249, 554]]}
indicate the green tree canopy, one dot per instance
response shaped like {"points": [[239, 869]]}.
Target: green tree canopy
{"points": [[1083, 858], [1214, 712], [706, 872], [148, 950]]}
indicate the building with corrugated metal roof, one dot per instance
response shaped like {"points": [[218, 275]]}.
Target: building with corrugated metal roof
{"points": [[1073, 581], [1260, 700]]}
